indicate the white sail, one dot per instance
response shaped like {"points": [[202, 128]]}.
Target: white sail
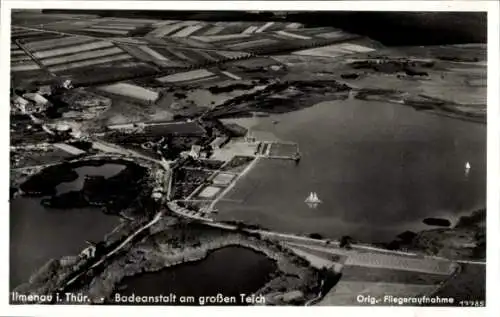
{"points": [[316, 199], [312, 198], [467, 165]]}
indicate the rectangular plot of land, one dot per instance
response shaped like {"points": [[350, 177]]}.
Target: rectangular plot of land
{"points": [[355, 48], [187, 31], [358, 273], [231, 55], [129, 90], [114, 26], [20, 58], [331, 35], [82, 56], [170, 28], [173, 53], [214, 30], [294, 26], [293, 35], [163, 23], [26, 34], [231, 75], [346, 292], [264, 27], [90, 62], [191, 75], [24, 67], [107, 31], [250, 44], [207, 56], [152, 53], [54, 43], [335, 50], [17, 52], [218, 38], [223, 179], [127, 40], [250, 29], [209, 192], [178, 128], [73, 49], [140, 21], [316, 261], [136, 52], [369, 260]]}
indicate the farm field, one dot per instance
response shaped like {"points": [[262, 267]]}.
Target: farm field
{"points": [[129, 90], [176, 128]]}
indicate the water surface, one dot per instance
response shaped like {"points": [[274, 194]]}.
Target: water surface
{"points": [[38, 234], [230, 271], [379, 169]]}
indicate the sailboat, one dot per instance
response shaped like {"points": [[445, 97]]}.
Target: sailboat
{"points": [[312, 199], [467, 169]]}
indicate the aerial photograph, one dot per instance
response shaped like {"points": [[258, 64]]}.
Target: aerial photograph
{"points": [[291, 158]]}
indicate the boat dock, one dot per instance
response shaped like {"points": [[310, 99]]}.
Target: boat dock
{"points": [[278, 150]]}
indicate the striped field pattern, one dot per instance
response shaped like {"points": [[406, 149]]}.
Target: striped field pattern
{"points": [[375, 274], [71, 44], [172, 43], [72, 49], [336, 50], [186, 76], [90, 62], [20, 61]]}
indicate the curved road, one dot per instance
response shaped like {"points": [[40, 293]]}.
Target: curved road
{"points": [[156, 218]]}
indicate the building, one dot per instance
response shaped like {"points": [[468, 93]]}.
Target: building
{"points": [[62, 127], [195, 151], [67, 84], [38, 99], [249, 137], [88, 252], [157, 194], [21, 103], [219, 142]]}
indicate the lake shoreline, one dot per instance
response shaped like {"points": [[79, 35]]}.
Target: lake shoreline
{"points": [[174, 242]]}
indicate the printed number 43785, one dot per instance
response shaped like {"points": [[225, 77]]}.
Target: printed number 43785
{"points": [[472, 303]]}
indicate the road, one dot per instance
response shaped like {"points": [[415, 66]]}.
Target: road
{"points": [[319, 242], [113, 148], [156, 218]]}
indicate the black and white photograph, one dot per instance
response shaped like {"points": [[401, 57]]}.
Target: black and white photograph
{"points": [[247, 158]]}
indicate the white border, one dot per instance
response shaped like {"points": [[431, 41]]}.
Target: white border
{"points": [[493, 190]]}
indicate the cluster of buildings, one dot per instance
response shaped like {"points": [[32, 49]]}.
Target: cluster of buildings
{"points": [[200, 152], [30, 103], [35, 102]]}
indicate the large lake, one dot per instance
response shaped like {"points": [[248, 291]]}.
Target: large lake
{"points": [[230, 271], [38, 234], [379, 169]]}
